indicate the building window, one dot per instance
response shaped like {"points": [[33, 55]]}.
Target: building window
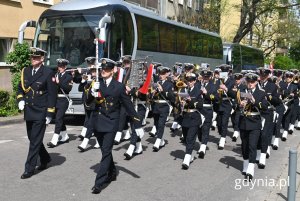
{"points": [[190, 3], [5, 48], [48, 2], [197, 5]]}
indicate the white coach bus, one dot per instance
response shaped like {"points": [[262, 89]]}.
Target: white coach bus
{"points": [[67, 30]]}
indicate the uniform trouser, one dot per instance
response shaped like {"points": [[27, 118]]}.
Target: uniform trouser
{"points": [[61, 108], [249, 144], [235, 118], [35, 132], [190, 134], [87, 117], [263, 142], [222, 122], [203, 132], [287, 118], [295, 113], [123, 122], [107, 166], [141, 114], [278, 123], [89, 130], [159, 122]]}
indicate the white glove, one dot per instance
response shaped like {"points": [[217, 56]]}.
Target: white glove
{"points": [[21, 105], [95, 94], [96, 86], [48, 120]]}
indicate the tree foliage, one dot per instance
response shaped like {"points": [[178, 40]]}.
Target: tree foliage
{"points": [[251, 10], [19, 58], [283, 62], [295, 52]]}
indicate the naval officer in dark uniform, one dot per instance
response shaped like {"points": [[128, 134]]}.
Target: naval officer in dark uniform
{"points": [[64, 81], [252, 102], [37, 97], [109, 95]]}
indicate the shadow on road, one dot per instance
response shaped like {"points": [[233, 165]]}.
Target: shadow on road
{"points": [[230, 161], [178, 154], [119, 168]]}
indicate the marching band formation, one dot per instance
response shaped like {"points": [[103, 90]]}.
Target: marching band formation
{"points": [[119, 96]]}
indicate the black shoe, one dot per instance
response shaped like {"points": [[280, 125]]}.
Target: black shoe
{"points": [[155, 149], [267, 155], [63, 142], [51, 145], [81, 149], [116, 142], [213, 128], [290, 132], [244, 173], [283, 139], [152, 134], [220, 148], [275, 147], [249, 177], [201, 154], [96, 190], [80, 137], [26, 175], [234, 139], [43, 166], [127, 156], [261, 166], [185, 166]]}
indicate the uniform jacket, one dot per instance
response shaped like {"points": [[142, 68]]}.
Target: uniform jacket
{"points": [[253, 122], [39, 92], [166, 94], [107, 108], [193, 118]]}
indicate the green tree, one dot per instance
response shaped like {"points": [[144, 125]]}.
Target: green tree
{"points": [[19, 58], [251, 10], [283, 62], [295, 52]]}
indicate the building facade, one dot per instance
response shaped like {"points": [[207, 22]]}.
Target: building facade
{"points": [[12, 14]]}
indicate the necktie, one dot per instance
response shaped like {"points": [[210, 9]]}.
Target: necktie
{"points": [[34, 71], [105, 82]]}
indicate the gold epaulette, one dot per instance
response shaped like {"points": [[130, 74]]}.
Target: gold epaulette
{"points": [[22, 82], [51, 109], [19, 96]]}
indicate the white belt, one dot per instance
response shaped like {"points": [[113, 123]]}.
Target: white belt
{"points": [[190, 110], [61, 95], [252, 113], [141, 102], [225, 98], [270, 107], [207, 105], [160, 101]]}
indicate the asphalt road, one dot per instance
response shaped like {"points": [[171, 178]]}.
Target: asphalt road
{"points": [[150, 176]]}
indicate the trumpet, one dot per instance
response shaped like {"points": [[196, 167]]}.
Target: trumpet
{"points": [[180, 84], [77, 69]]}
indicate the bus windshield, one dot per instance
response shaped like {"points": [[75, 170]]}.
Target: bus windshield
{"points": [[69, 37]]}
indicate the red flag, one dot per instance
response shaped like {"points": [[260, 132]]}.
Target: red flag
{"points": [[145, 87]]}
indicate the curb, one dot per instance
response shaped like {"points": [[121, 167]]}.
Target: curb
{"points": [[15, 120]]}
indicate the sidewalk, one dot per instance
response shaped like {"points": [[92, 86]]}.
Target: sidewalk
{"points": [[11, 120], [280, 193]]}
